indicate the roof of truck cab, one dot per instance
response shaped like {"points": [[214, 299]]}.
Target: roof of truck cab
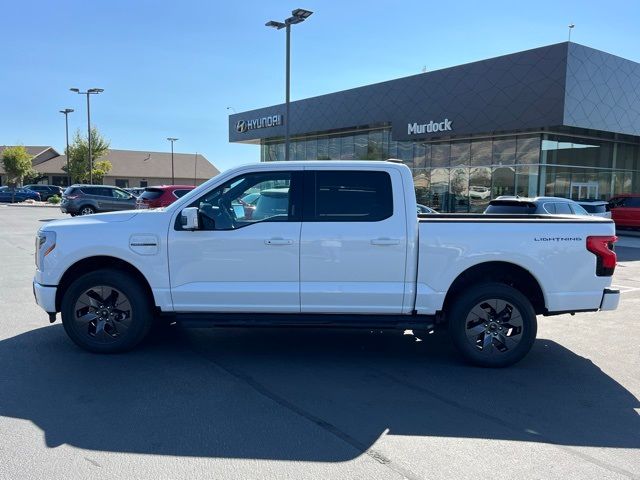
{"points": [[327, 163]]}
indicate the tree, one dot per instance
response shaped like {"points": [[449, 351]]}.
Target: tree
{"points": [[374, 152], [78, 155], [17, 164]]}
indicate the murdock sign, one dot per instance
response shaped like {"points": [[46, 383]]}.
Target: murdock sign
{"points": [[431, 127]]}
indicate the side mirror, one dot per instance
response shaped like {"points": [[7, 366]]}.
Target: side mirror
{"points": [[189, 218]]}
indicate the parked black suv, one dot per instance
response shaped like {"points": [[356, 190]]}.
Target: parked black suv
{"points": [[88, 199], [45, 191]]}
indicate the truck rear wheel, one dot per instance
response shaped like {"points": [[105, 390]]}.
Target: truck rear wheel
{"points": [[492, 325], [106, 311]]}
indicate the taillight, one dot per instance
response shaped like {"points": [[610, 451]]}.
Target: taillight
{"points": [[71, 197], [602, 248]]}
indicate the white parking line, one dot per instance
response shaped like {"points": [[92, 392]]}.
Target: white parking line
{"points": [[625, 289]]}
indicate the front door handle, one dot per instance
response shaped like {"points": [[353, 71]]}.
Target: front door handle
{"points": [[385, 241], [278, 241]]}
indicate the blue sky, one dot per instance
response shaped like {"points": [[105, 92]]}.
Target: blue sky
{"points": [[172, 68]]}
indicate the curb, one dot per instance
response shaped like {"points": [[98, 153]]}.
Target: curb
{"points": [[29, 205]]}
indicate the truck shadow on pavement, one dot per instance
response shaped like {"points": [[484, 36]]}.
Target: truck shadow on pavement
{"points": [[309, 395]]}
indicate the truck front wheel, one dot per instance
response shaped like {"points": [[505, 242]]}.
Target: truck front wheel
{"points": [[492, 325], [106, 311]]}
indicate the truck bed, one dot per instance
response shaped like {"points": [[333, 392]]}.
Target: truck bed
{"points": [[549, 248]]}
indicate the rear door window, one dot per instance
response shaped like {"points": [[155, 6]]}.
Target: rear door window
{"points": [[563, 208], [180, 193], [348, 196], [89, 190]]}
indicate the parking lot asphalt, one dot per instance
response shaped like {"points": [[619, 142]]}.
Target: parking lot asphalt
{"points": [[315, 404]]}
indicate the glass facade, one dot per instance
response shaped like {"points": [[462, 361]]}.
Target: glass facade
{"points": [[464, 175]]}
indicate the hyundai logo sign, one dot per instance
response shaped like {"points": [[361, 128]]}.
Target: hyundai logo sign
{"points": [[243, 126]]}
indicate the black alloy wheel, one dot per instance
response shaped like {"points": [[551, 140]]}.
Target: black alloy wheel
{"points": [[87, 210], [107, 311], [492, 325]]}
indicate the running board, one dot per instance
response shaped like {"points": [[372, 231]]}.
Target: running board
{"points": [[402, 322]]}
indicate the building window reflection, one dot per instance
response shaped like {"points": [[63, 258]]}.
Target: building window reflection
{"points": [[463, 175]]}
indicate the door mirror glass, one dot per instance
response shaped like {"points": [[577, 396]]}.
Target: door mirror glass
{"points": [[189, 218]]}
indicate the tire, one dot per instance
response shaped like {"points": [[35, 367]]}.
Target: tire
{"points": [[492, 325], [86, 210], [106, 311]]}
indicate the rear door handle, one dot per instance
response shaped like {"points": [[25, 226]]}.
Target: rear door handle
{"points": [[278, 241], [385, 241]]}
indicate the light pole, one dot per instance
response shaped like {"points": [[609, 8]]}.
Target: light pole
{"points": [[66, 113], [91, 91], [195, 169], [571, 26], [172, 139], [298, 15]]}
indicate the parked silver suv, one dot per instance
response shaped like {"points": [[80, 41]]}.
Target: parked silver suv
{"points": [[88, 199], [535, 205]]}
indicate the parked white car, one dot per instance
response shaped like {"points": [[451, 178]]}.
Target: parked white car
{"points": [[479, 193], [333, 244]]}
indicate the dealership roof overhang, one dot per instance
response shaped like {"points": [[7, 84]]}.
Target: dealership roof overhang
{"points": [[565, 85]]}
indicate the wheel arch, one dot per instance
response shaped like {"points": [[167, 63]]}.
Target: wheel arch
{"points": [[502, 272], [90, 264]]}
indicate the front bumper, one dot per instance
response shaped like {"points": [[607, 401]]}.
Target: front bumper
{"points": [[45, 297], [610, 299]]}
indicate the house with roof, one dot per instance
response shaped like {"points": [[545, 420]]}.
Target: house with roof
{"points": [[129, 168]]}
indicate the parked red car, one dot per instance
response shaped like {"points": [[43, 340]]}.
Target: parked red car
{"points": [[625, 210], [162, 195]]}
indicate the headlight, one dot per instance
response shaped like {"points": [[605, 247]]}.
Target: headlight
{"points": [[45, 243]]}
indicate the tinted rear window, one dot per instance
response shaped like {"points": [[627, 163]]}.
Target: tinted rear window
{"points": [[594, 208], [349, 196], [151, 193], [99, 191], [518, 208], [69, 190]]}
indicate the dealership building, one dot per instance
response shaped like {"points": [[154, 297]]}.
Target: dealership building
{"points": [[560, 120]]}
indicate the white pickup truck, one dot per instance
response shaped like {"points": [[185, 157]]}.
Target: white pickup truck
{"points": [[321, 244]]}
